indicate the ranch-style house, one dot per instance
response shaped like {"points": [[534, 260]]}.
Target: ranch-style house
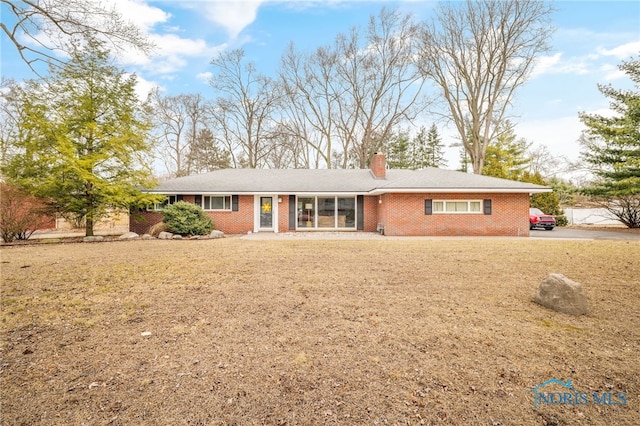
{"points": [[426, 202]]}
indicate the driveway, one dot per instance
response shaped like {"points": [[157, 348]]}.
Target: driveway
{"points": [[583, 234]]}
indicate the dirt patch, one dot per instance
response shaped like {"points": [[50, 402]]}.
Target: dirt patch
{"points": [[235, 331]]}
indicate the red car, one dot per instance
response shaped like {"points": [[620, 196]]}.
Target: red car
{"points": [[537, 219]]}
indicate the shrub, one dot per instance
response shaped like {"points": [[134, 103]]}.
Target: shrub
{"points": [[20, 214], [186, 219]]}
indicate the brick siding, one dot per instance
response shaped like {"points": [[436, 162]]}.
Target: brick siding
{"points": [[229, 222], [403, 214], [399, 214]]}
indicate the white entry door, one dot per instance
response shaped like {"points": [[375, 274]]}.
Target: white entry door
{"points": [[266, 213]]}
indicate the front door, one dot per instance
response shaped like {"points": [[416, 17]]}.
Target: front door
{"points": [[266, 213]]}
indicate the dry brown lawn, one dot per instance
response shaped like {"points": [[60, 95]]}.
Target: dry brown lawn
{"points": [[245, 332]]}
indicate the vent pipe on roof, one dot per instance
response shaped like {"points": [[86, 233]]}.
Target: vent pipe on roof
{"points": [[379, 165]]}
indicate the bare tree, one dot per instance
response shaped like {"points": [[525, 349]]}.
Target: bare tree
{"points": [[309, 86], [9, 119], [177, 121], [52, 26], [346, 99], [478, 52], [380, 80], [245, 109]]}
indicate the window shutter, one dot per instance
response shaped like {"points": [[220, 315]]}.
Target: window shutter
{"points": [[428, 207], [234, 203], [198, 200], [292, 212], [487, 206], [179, 197], [360, 212]]}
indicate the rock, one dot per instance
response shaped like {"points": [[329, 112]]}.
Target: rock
{"points": [[145, 334], [93, 238], [156, 229], [146, 237], [176, 237], [164, 235], [561, 294], [128, 236], [216, 234]]}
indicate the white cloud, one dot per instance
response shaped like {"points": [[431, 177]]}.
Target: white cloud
{"points": [[624, 51], [545, 64], [555, 64], [612, 72], [205, 77], [232, 16], [143, 15], [559, 134], [143, 87]]}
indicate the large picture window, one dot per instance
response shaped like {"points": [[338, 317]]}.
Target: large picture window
{"points": [[326, 212], [457, 206]]}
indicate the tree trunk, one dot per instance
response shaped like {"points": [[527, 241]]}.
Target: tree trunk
{"points": [[89, 227]]}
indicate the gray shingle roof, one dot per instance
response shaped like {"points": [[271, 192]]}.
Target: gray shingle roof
{"points": [[353, 181]]}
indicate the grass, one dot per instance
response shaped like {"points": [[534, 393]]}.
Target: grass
{"points": [[441, 331]]}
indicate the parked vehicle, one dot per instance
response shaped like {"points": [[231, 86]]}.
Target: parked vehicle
{"points": [[537, 219]]}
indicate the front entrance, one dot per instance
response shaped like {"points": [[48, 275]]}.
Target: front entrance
{"points": [[266, 213]]}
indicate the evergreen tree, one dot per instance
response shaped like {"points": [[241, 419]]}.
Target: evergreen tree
{"points": [[548, 202], [506, 157], [399, 154], [434, 153], [612, 149], [465, 161], [82, 139], [419, 150]]}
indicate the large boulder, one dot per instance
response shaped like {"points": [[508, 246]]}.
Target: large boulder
{"points": [[216, 234], [561, 294]]}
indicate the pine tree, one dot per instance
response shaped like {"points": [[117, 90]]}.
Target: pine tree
{"points": [[612, 149], [506, 156], [434, 155], [399, 154], [82, 139]]}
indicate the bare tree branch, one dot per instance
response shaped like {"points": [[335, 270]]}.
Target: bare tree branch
{"points": [[479, 53], [51, 28]]}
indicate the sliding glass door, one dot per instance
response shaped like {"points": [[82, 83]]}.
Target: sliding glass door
{"points": [[326, 212]]}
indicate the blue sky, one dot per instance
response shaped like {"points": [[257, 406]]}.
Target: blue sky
{"points": [[591, 39]]}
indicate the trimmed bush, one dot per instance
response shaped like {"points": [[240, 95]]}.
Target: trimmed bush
{"points": [[186, 219]]}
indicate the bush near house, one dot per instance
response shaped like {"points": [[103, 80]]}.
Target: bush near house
{"points": [[20, 214], [186, 219]]}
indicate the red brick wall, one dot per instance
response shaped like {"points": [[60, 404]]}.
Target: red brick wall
{"points": [[283, 213], [400, 214], [403, 214], [141, 222], [239, 222], [370, 213], [229, 222]]}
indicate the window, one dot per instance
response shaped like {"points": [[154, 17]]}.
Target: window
{"points": [[457, 206], [214, 202], [326, 212], [171, 199]]}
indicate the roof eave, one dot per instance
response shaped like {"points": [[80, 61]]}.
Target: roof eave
{"points": [[380, 191]]}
